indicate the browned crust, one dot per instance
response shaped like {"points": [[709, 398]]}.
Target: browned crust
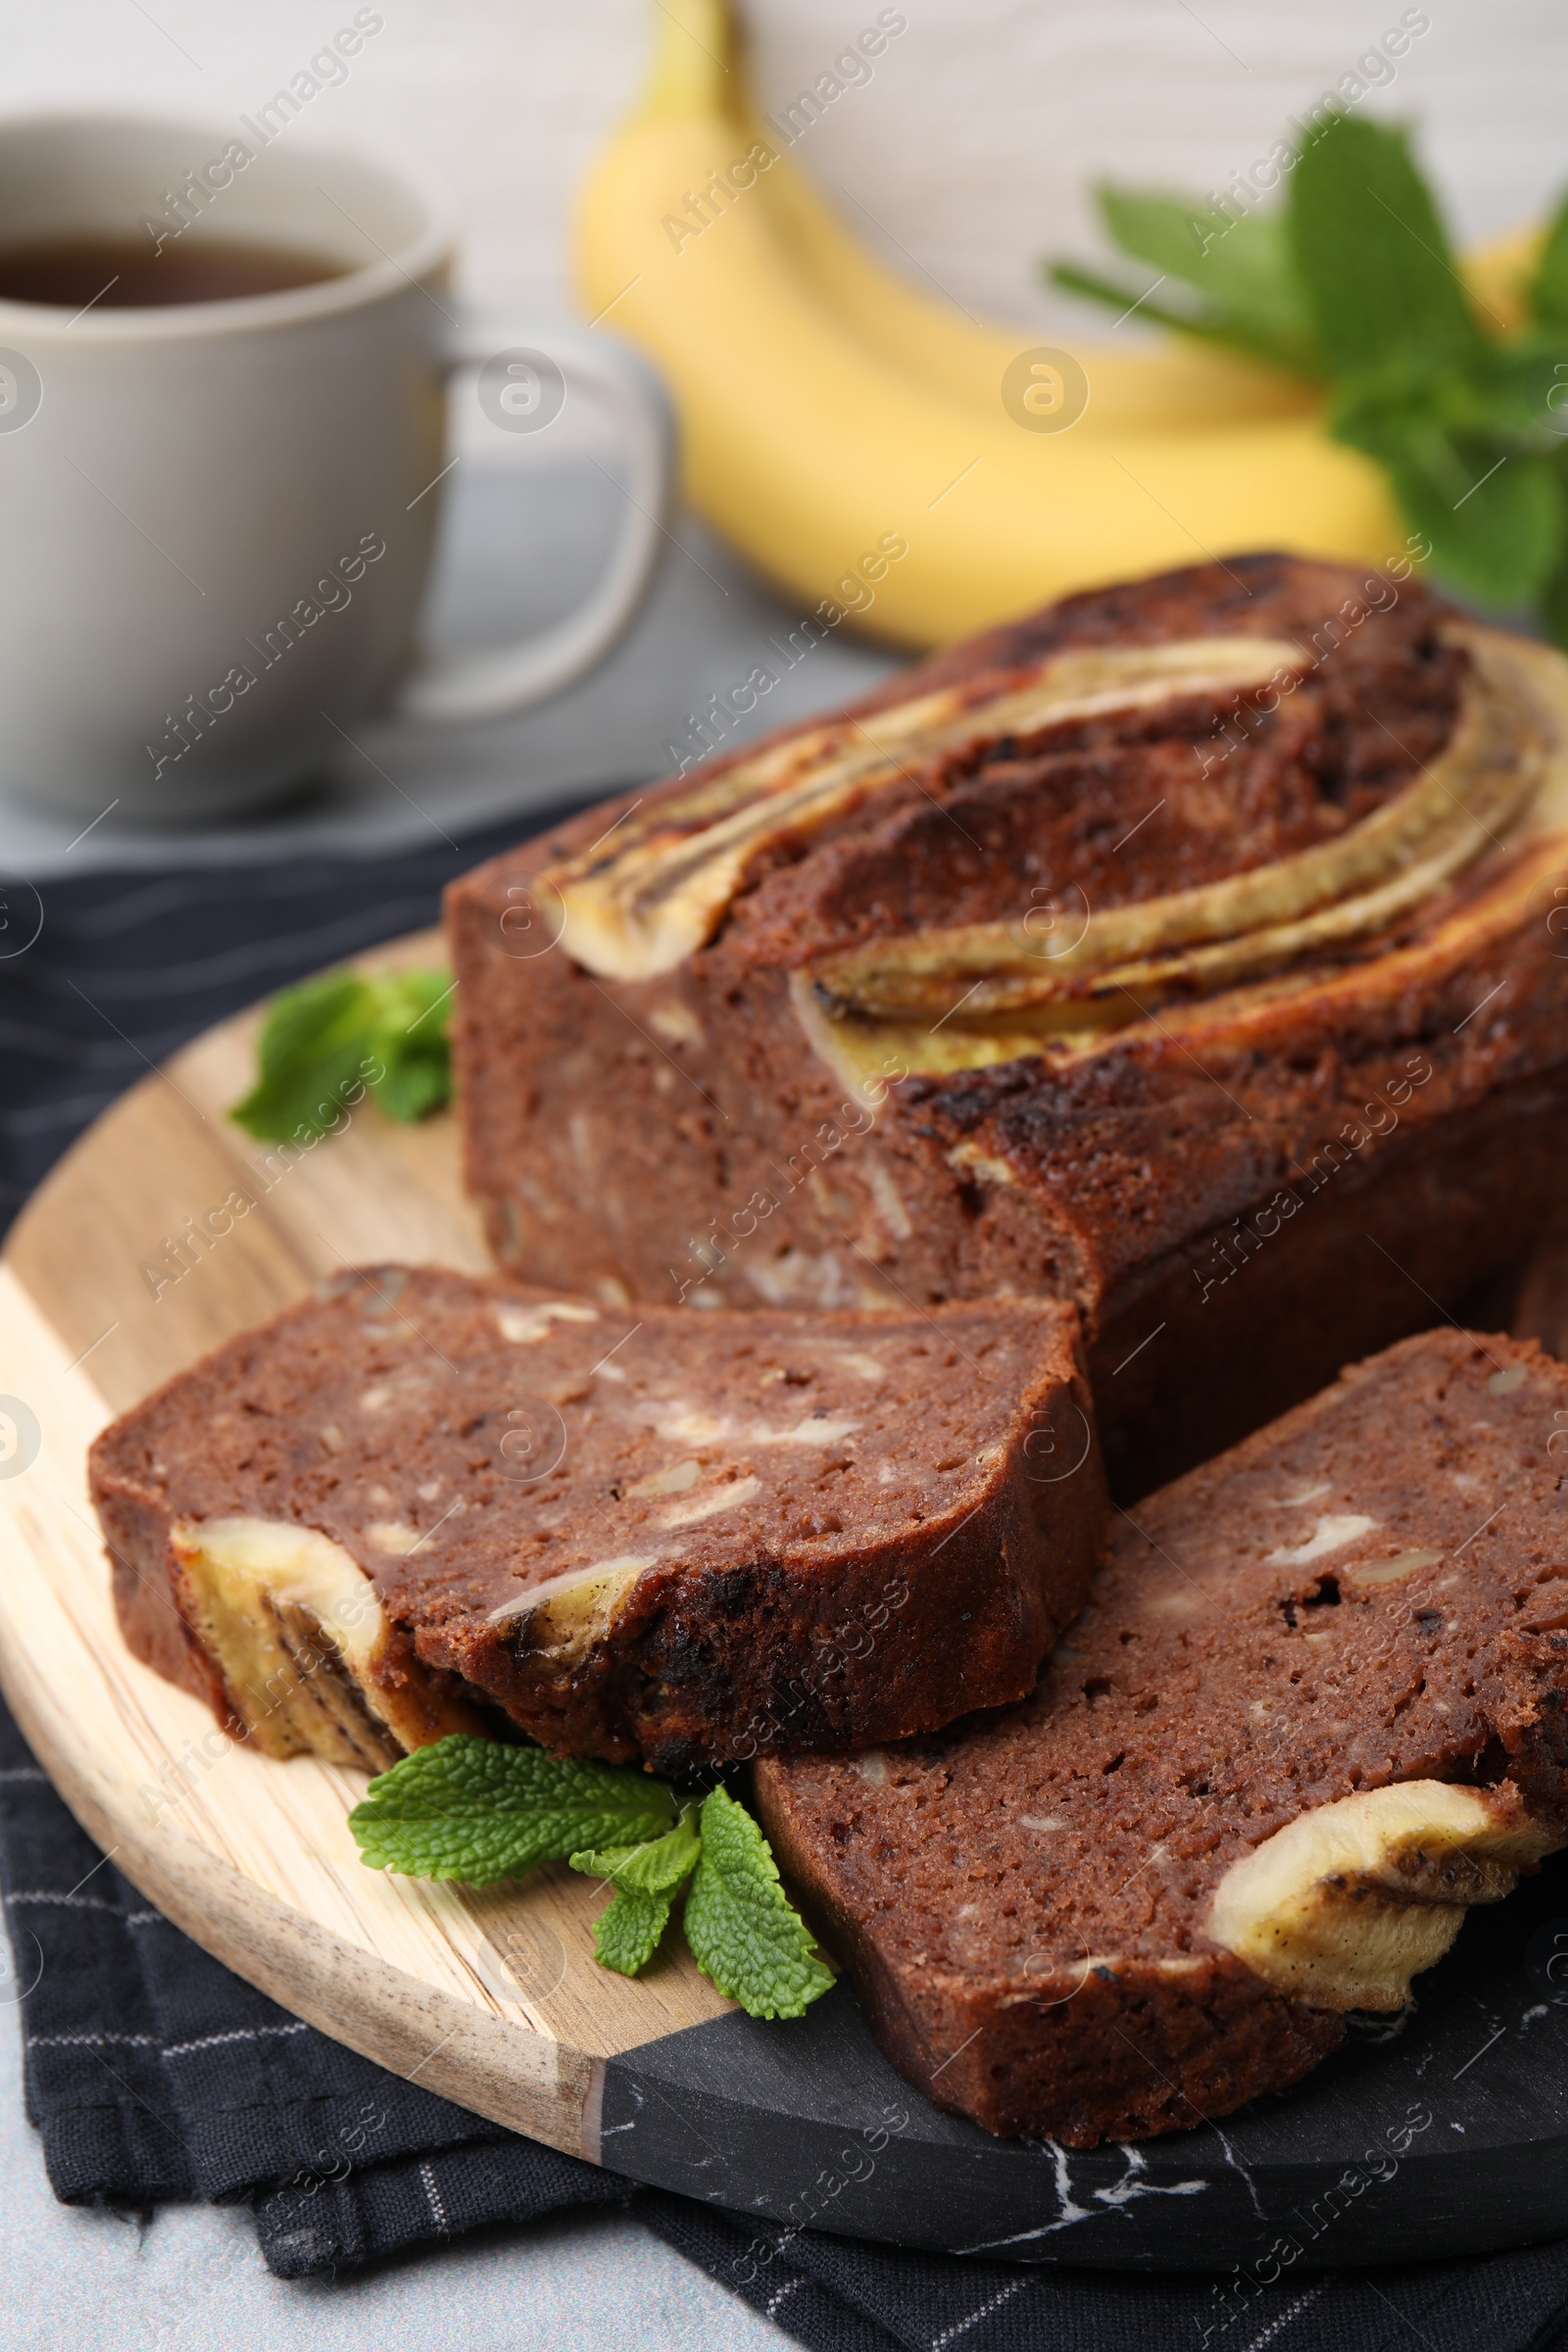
{"points": [[1340, 1178]]}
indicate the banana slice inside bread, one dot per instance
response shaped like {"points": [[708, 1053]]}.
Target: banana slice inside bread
{"points": [[1346, 1903], [293, 1627], [1316, 1707], [418, 1502]]}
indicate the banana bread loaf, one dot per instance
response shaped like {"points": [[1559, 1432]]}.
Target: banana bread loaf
{"points": [[1317, 1705], [418, 1498], [1182, 950]]}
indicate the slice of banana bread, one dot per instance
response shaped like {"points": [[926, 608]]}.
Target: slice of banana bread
{"points": [[685, 1537], [1317, 1704], [1187, 950]]}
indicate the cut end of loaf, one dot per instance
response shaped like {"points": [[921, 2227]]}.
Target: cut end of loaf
{"points": [[666, 1537]]}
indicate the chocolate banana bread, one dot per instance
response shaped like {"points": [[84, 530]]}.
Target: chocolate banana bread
{"points": [[1187, 950], [1316, 1706], [417, 1502]]}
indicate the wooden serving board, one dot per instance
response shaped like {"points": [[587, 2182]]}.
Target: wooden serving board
{"points": [[1447, 2134]]}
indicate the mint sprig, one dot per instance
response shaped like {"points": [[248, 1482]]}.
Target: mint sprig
{"points": [[1352, 282], [475, 1810], [329, 1041]]}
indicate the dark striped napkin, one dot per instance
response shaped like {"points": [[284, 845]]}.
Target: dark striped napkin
{"points": [[154, 2075]]}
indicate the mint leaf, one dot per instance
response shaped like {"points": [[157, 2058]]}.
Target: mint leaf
{"points": [[327, 1039], [1554, 599], [627, 1931], [1547, 293], [1503, 538], [1467, 460], [1234, 333], [655, 1865], [1074, 278], [1355, 282], [409, 1012], [645, 1877], [1370, 252], [744, 1931], [1242, 268], [1235, 280], [308, 1059], [474, 1809]]}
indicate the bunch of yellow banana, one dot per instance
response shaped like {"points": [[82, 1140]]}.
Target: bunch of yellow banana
{"points": [[861, 443]]}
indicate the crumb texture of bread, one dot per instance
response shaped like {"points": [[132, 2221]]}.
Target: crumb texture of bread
{"points": [[1317, 1706], [1340, 1137], [418, 1503]]}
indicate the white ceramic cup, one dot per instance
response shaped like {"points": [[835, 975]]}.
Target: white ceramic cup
{"points": [[218, 516]]}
